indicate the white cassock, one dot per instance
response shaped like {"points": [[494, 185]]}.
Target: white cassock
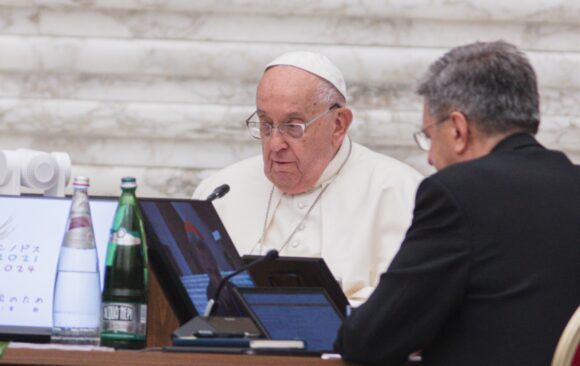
{"points": [[355, 217]]}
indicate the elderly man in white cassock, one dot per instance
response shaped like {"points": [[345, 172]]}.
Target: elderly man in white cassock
{"points": [[313, 192]]}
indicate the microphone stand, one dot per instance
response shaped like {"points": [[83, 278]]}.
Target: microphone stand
{"points": [[212, 326], [211, 304]]}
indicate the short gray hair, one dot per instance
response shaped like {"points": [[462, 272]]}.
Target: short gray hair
{"points": [[492, 83]]}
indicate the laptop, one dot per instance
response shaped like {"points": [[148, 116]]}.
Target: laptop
{"points": [[190, 251], [298, 272], [305, 313], [31, 232]]}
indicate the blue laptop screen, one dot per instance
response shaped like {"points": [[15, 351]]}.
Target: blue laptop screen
{"points": [[308, 316], [191, 237]]}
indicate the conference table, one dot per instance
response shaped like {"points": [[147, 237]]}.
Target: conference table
{"points": [[93, 358], [23, 356]]}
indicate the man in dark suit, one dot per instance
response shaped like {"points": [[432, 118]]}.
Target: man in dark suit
{"points": [[489, 271]]}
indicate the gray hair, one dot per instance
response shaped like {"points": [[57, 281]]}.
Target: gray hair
{"points": [[492, 83], [327, 93]]}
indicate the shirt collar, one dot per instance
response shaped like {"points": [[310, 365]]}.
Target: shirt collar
{"points": [[335, 164], [516, 141]]}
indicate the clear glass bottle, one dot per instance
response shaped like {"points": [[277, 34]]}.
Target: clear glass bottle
{"points": [[77, 289], [124, 298]]}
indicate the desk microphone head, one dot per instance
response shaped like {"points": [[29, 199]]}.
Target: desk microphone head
{"points": [[271, 255], [219, 192]]}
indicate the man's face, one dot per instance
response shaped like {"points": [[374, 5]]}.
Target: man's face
{"points": [[441, 153], [287, 94]]}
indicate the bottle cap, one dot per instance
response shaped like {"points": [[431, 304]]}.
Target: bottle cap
{"points": [[128, 182], [81, 182]]}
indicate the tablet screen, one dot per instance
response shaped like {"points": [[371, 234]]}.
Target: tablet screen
{"points": [[294, 313]]}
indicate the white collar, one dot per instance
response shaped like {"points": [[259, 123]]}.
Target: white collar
{"points": [[335, 164]]}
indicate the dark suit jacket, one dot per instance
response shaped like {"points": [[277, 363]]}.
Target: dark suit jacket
{"points": [[489, 272]]}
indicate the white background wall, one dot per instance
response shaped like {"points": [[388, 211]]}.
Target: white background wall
{"points": [[160, 89]]}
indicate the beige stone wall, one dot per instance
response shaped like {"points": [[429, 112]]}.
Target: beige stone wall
{"points": [[160, 89]]}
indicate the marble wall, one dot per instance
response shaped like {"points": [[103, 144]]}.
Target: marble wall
{"points": [[160, 89]]}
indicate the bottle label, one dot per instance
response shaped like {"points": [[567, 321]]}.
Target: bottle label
{"points": [[79, 237], [124, 320], [124, 238]]}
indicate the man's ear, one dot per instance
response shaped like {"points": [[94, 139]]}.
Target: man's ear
{"points": [[461, 132], [342, 122]]}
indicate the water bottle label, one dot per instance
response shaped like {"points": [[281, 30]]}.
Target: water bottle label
{"points": [[123, 237], [143, 313], [124, 318], [79, 238]]}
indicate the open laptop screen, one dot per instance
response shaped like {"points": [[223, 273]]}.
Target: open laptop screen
{"points": [[191, 252], [294, 313], [31, 232]]}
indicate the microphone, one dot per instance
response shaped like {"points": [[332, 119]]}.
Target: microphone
{"points": [[219, 192], [211, 304]]}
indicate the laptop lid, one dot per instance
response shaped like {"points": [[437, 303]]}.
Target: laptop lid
{"points": [[294, 313], [191, 251], [31, 232], [298, 272]]}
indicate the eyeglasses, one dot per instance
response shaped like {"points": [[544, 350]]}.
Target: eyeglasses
{"points": [[260, 129], [422, 139]]}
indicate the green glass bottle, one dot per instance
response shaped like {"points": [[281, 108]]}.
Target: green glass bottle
{"points": [[124, 298]]}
